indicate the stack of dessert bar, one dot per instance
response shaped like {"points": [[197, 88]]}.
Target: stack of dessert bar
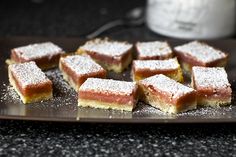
{"points": [[156, 71]]}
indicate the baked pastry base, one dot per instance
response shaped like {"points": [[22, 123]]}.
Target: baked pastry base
{"points": [[104, 105], [214, 102]]}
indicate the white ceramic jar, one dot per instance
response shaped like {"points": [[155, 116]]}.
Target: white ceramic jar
{"points": [[192, 19]]}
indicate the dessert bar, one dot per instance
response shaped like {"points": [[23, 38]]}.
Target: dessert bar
{"points": [[108, 94], [197, 53], [166, 94], [46, 55], [30, 82], [142, 69], [76, 69], [212, 86], [112, 55]]}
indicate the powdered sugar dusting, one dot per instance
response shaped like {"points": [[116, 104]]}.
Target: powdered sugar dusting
{"points": [[63, 93], [144, 110], [208, 112], [9, 94], [108, 86], [39, 50], [165, 84], [82, 64], [201, 51], [156, 64], [28, 73], [107, 47], [215, 77], [153, 48]]}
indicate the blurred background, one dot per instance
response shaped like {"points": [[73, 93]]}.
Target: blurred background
{"points": [[60, 17], [194, 19]]}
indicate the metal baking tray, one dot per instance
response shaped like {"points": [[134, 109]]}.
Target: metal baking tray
{"points": [[63, 107]]}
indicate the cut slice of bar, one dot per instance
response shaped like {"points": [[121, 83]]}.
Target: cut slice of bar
{"points": [[112, 55], [212, 86], [30, 82], [142, 69], [46, 55], [197, 53], [76, 69], [153, 50], [108, 94], [166, 94]]}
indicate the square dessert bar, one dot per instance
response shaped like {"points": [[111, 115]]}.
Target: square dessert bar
{"points": [[142, 69], [29, 82], [108, 94], [112, 55], [166, 94], [76, 69], [46, 55], [197, 53], [153, 50], [212, 86]]}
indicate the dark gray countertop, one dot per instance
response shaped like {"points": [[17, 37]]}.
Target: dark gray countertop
{"points": [[72, 139], [71, 19]]}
